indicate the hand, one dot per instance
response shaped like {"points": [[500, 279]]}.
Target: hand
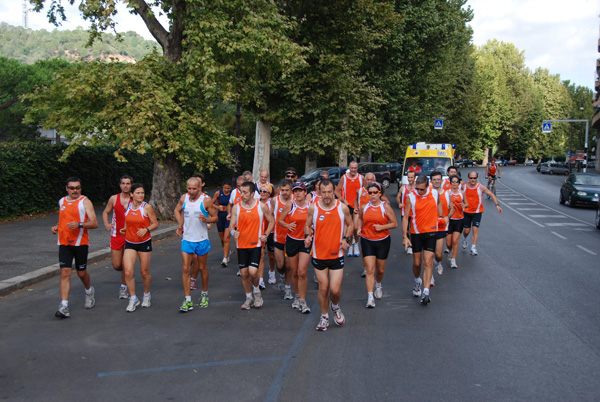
{"points": [[292, 226], [344, 245], [406, 243], [378, 228], [54, 229], [108, 227], [122, 231], [179, 231], [228, 217], [73, 225], [359, 231], [202, 218], [142, 232], [263, 238], [307, 241], [236, 235]]}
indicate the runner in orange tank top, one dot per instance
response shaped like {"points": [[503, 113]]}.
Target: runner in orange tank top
{"points": [[293, 218], [456, 221], [424, 208], [443, 224], [473, 212], [403, 192], [347, 191], [266, 191], [375, 220], [278, 203], [76, 215], [139, 221], [247, 230], [326, 223]]}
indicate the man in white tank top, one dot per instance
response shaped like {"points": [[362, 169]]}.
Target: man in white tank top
{"points": [[193, 212]]}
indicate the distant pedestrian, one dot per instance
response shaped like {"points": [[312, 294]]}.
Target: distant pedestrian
{"points": [[75, 217]]}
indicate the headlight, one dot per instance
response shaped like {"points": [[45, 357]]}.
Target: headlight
{"points": [[582, 193]]}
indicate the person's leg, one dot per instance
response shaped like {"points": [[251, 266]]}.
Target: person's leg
{"points": [[380, 270], [293, 263], [195, 267], [455, 240], [129, 256], [427, 268], [145, 270], [417, 264], [85, 278], [117, 259], [303, 260], [335, 285], [185, 272], [439, 249], [246, 281], [323, 295], [201, 259], [65, 283], [475, 235], [370, 262], [222, 239]]}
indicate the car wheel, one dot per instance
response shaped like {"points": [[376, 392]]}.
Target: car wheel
{"points": [[567, 173], [550, 172], [598, 218], [561, 199], [571, 201], [386, 183]]}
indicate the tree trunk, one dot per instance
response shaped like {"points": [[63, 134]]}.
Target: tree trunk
{"points": [[166, 187], [311, 162], [262, 149], [486, 157], [343, 160]]}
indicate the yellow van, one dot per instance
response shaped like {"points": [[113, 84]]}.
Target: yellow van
{"points": [[424, 158]]}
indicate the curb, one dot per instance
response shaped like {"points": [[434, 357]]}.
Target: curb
{"points": [[19, 282]]}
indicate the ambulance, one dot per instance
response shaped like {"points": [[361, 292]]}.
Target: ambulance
{"points": [[424, 158]]}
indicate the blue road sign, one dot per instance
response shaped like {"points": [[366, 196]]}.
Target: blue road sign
{"points": [[546, 127], [439, 124]]}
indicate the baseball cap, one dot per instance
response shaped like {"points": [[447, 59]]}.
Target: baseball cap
{"points": [[299, 185]]}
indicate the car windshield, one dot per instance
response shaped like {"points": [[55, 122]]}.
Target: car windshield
{"points": [[429, 164], [587, 180], [313, 174]]}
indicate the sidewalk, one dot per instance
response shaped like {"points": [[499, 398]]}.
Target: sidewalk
{"points": [[30, 252]]}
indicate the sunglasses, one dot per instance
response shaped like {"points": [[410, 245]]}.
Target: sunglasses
{"points": [[421, 188], [373, 192], [290, 175], [472, 178], [263, 191], [74, 187], [454, 181]]}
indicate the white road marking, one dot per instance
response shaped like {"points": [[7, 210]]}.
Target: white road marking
{"points": [[565, 224], [532, 209], [522, 203], [547, 216], [556, 234], [586, 250], [518, 213]]}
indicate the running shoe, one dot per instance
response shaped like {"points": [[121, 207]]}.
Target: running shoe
{"points": [[133, 303], [224, 261], [296, 302], [261, 284], [281, 283], [203, 300], [315, 279], [356, 250], [425, 299], [288, 294], [239, 273], [473, 250], [272, 280], [370, 303], [378, 292], [123, 294], [465, 243], [449, 256], [248, 304], [186, 306], [62, 312], [439, 268], [90, 300], [409, 250], [323, 324], [364, 273], [417, 289], [338, 317], [453, 264], [432, 284], [304, 309], [258, 300], [446, 250], [193, 284], [350, 251], [147, 301]]}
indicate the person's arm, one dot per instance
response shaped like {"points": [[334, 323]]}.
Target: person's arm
{"points": [[179, 216], [270, 221], [92, 222], [405, 240], [149, 211], [232, 229], [465, 203], [284, 213], [357, 200], [359, 222], [399, 197], [215, 201], [392, 222], [212, 213], [485, 191], [498, 168], [308, 232], [109, 206], [338, 191], [349, 227]]}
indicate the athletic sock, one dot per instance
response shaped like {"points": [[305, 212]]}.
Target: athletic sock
{"points": [[377, 284], [65, 303], [426, 291], [248, 295], [146, 294], [88, 291], [370, 295], [124, 287], [188, 298], [256, 289], [334, 306]]}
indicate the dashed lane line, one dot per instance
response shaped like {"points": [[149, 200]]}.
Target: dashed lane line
{"points": [[558, 235], [586, 250]]}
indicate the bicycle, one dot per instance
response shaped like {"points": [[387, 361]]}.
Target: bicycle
{"points": [[492, 186]]}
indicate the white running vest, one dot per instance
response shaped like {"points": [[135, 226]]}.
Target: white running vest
{"points": [[193, 229]]}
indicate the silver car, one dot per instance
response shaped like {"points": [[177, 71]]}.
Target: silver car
{"points": [[554, 168]]}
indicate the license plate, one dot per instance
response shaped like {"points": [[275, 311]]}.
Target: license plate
{"points": [[595, 199]]}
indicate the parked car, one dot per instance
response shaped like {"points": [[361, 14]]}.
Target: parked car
{"points": [[310, 178], [598, 216], [381, 171], [554, 168], [512, 162], [528, 162], [461, 163], [395, 169], [580, 189]]}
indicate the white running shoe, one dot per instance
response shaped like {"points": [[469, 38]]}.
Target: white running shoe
{"points": [[446, 250], [417, 288], [133, 303], [258, 300], [432, 284], [465, 243], [378, 292], [364, 273], [304, 309], [409, 250], [239, 273], [90, 300], [224, 262], [338, 316], [370, 303], [323, 324], [453, 264], [272, 280], [473, 250], [288, 294], [356, 250], [439, 268], [296, 302], [248, 304], [147, 301], [261, 284], [123, 294]]}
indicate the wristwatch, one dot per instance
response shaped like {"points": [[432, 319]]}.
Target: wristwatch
{"points": [[348, 239], [80, 225]]}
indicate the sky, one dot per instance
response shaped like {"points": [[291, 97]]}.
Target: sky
{"points": [[561, 36]]}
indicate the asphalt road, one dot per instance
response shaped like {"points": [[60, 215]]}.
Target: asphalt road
{"points": [[517, 322]]}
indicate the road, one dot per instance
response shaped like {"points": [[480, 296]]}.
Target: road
{"points": [[517, 322]]}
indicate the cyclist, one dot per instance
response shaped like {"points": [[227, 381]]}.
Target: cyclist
{"points": [[490, 173]]}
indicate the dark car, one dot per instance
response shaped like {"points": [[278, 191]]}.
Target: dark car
{"points": [[381, 171], [598, 216], [310, 177], [461, 163], [395, 169], [580, 189]]}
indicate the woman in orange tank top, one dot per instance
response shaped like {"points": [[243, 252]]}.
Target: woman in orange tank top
{"points": [[374, 223], [139, 221]]}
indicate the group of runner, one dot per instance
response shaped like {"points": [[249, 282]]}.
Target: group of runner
{"points": [[287, 225]]}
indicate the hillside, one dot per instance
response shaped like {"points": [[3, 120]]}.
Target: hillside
{"points": [[29, 46]]}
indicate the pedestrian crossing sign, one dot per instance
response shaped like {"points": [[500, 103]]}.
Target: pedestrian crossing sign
{"points": [[439, 124], [546, 127]]}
